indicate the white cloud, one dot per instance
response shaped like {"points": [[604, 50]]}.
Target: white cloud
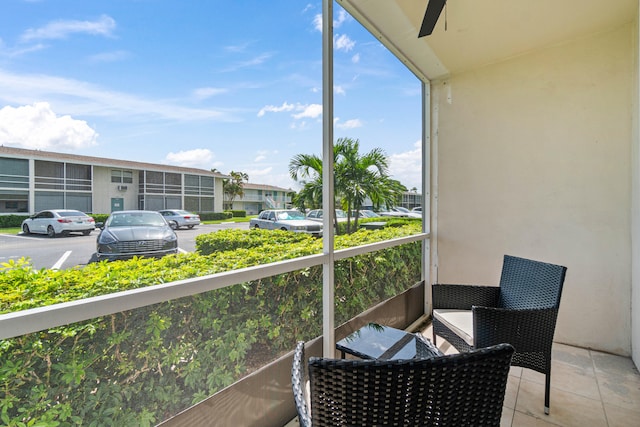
{"points": [[343, 17], [275, 109], [317, 22], [407, 167], [208, 92], [302, 110], [262, 155], [61, 29], [312, 111], [343, 42], [85, 99], [197, 158], [256, 173], [38, 127], [115, 56], [349, 124], [257, 60], [355, 58], [339, 90]]}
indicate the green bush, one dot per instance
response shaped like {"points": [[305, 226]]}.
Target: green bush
{"points": [[214, 216], [238, 214], [141, 366], [99, 217], [10, 221]]}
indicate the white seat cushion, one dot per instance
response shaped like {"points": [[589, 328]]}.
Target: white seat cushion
{"points": [[458, 321]]}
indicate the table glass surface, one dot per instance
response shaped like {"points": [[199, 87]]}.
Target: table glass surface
{"points": [[373, 340]]}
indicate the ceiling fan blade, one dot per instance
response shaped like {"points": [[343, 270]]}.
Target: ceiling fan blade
{"points": [[434, 8]]}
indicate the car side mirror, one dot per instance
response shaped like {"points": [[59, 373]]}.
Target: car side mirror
{"points": [[100, 225]]}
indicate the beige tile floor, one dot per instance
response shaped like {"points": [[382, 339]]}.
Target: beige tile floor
{"points": [[588, 389]]}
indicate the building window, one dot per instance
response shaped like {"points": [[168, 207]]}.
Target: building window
{"points": [[14, 173], [78, 177], [49, 175], [121, 176]]}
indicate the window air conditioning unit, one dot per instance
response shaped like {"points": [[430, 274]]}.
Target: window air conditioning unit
{"points": [[122, 187]]}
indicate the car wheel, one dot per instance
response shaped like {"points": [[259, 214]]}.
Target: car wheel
{"points": [[51, 232], [283, 228], [173, 225], [25, 229], [86, 232], [256, 226]]}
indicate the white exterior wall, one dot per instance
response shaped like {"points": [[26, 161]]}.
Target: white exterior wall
{"points": [[534, 160], [104, 190], [635, 191], [219, 195]]}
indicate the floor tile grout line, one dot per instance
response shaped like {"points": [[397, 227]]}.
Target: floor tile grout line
{"points": [[595, 374]]}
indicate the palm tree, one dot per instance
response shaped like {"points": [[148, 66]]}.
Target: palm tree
{"points": [[234, 187], [356, 177]]}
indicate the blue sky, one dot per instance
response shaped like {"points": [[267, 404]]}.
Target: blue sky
{"points": [[231, 85]]}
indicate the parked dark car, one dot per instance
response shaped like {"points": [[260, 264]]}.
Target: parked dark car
{"points": [[180, 218], [54, 222], [126, 234]]}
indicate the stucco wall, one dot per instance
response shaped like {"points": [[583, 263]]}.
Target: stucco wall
{"points": [[635, 191], [534, 161], [104, 190]]}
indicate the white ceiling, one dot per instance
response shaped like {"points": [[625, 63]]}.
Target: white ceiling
{"points": [[481, 32]]}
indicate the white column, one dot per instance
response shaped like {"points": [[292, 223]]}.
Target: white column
{"points": [[328, 320]]}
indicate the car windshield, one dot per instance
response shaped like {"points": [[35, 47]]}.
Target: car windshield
{"points": [[71, 213], [136, 219], [340, 213], [182, 213], [290, 215]]}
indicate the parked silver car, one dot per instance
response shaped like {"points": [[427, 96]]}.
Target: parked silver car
{"points": [[286, 219], [180, 218], [126, 234], [316, 215], [59, 221]]}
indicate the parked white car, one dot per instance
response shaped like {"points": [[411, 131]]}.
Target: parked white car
{"points": [[180, 218], [287, 220], [316, 215], [59, 221]]}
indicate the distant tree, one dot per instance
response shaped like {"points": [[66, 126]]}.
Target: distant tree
{"points": [[234, 187], [356, 177]]}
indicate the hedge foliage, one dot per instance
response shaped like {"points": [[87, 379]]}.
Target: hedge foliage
{"points": [[214, 216], [10, 221], [238, 213], [141, 366]]}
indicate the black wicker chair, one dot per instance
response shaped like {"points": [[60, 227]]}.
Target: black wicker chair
{"points": [[522, 311], [464, 389]]}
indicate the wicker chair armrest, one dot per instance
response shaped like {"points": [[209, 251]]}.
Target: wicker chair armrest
{"points": [[463, 297], [526, 330], [298, 382]]}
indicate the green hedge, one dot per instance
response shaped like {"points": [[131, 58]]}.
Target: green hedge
{"points": [[214, 216], [238, 214], [141, 366], [10, 221]]}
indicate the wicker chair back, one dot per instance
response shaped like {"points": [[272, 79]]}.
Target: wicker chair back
{"points": [[456, 390], [528, 284]]}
